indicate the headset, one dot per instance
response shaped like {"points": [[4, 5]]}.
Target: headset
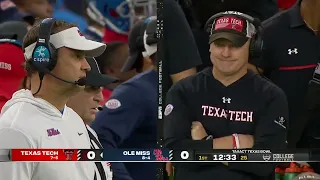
{"points": [[151, 31], [139, 39], [44, 55], [256, 42], [143, 28]]}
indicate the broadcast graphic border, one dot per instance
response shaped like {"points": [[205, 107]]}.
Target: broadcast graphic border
{"points": [[160, 166]]}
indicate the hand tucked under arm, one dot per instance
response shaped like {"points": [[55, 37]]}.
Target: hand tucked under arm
{"points": [[198, 132]]}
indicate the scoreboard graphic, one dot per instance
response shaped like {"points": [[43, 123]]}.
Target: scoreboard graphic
{"points": [[159, 155]]}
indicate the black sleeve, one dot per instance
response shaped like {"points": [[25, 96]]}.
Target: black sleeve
{"points": [[178, 121], [180, 48], [270, 133]]}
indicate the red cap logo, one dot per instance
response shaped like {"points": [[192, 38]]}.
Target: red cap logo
{"points": [[229, 23]]}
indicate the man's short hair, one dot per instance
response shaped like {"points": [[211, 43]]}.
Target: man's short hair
{"points": [[107, 57], [32, 36]]}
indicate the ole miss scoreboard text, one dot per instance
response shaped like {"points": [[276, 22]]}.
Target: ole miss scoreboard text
{"points": [[158, 155]]}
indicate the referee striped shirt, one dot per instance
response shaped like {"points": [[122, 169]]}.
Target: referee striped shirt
{"points": [[102, 169]]}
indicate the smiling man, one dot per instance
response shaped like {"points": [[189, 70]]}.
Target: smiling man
{"points": [[226, 106]]}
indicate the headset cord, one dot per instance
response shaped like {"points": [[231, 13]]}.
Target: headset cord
{"points": [[41, 75]]}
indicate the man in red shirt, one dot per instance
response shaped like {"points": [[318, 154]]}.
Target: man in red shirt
{"points": [[11, 70], [11, 58]]}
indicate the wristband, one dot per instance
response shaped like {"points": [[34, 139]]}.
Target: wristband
{"points": [[236, 143]]}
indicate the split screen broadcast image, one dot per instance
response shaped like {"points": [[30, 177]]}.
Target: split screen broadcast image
{"points": [[159, 90]]}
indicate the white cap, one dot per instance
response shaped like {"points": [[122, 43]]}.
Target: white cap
{"points": [[71, 38], [150, 49]]}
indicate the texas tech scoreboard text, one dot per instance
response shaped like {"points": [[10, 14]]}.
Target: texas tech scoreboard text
{"points": [[158, 155]]}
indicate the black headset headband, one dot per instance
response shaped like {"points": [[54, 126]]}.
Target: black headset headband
{"points": [[151, 31], [45, 31], [255, 21]]}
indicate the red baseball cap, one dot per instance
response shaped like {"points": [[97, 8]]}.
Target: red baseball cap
{"points": [[11, 70], [236, 29]]}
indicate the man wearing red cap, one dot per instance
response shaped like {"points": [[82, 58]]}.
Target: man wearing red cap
{"points": [[226, 106], [11, 58]]}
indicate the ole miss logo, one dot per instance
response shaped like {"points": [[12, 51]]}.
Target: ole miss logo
{"points": [[113, 104]]}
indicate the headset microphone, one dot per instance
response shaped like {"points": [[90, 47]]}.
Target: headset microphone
{"points": [[80, 82]]}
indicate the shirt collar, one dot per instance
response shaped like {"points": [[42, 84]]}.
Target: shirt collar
{"points": [[295, 15]]}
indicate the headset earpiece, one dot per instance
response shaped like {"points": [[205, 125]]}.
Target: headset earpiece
{"points": [[44, 56], [151, 32], [256, 43]]}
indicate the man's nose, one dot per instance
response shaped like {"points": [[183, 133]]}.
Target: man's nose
{"points": [[226, 52], [85, 65]]}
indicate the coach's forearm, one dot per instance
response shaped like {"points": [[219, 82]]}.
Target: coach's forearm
{"points": [[223, 143], [226, 142]]}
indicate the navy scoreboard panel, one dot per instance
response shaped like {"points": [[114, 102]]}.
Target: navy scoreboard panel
{"points": [[160, 155], [235, 155]]}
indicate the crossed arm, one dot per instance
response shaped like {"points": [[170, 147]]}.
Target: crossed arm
{"points": [[268, 134]]}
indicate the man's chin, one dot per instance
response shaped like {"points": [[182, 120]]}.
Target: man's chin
{"points": [[89, 119]]}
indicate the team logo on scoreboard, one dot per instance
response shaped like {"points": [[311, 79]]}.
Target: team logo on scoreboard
{"points": [[266, 157], [69, 154]]}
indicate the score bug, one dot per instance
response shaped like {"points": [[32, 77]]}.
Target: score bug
{"points": [[91, 155], [224, 157]]}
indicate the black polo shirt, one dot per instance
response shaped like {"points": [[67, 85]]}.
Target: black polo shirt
{"points": [[180, 52], [252, 105], [291, 53]]}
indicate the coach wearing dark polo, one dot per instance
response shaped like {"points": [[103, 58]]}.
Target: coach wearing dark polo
{"points": [[291, 53]]}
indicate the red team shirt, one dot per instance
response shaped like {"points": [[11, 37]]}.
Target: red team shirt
{"points": [[111, 36], [286, 4], [106, 94]]}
